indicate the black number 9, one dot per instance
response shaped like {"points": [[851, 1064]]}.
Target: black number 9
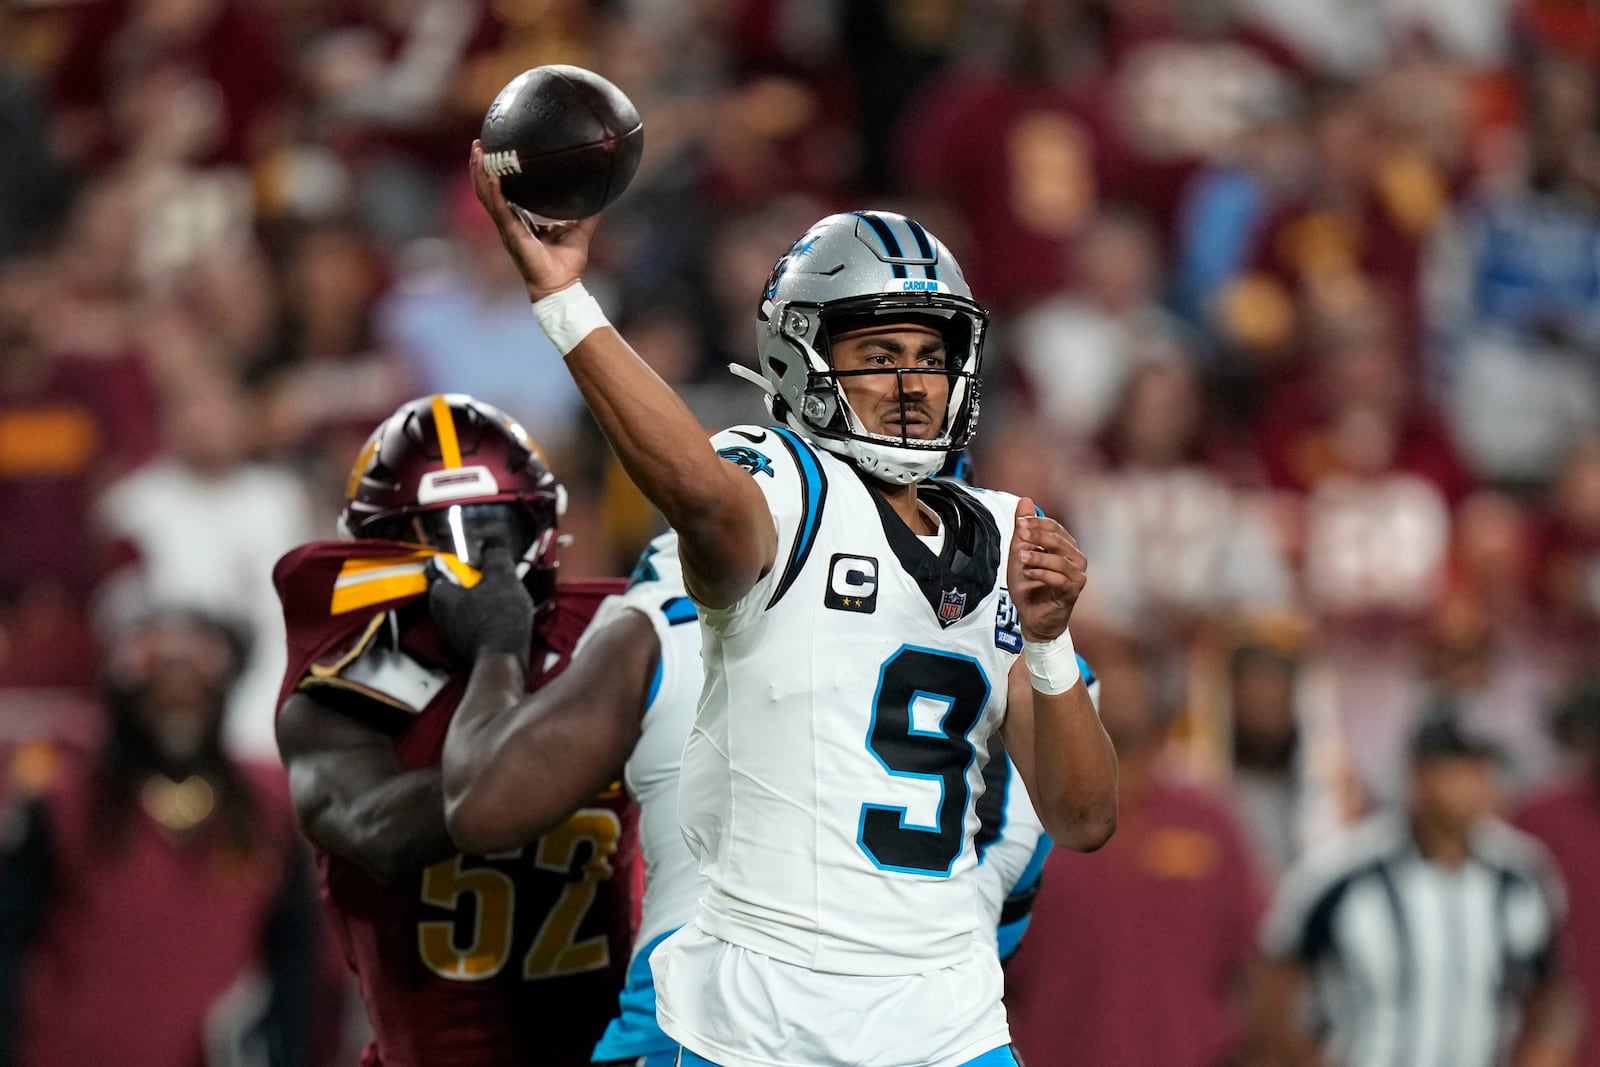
{"points": [[943, 755]]}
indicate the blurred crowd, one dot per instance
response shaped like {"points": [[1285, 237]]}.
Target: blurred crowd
{"points": [[1296, 325]]}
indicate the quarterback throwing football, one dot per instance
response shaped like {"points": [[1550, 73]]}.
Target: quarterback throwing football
{"points": [[865, 632]]}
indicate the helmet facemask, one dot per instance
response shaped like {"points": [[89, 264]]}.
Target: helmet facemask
{"points": [[488, 482]]}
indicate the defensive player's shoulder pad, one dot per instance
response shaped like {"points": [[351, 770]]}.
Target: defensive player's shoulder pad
{"points": [[342, 608], [325, 579], [383, 665]]}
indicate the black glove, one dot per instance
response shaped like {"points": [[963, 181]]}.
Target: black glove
{"points": [[494, 616]]}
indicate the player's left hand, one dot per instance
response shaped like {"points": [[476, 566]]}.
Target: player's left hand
{"points": [[494, 616], [1046, 573], [549, 257]]}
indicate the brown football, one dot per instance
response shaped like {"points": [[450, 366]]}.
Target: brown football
{"points": [[564, 141]]}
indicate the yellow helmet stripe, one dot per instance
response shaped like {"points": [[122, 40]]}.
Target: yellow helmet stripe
{"points": [[368, 450], [444, 424]]}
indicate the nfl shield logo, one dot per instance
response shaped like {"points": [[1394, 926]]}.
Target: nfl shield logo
{"points": [[952, 605]]}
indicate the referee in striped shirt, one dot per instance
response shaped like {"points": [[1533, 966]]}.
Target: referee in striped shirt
{"points": [[1428, 939]]}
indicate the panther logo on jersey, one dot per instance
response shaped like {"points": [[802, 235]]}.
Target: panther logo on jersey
{"points": [[748, 458]]}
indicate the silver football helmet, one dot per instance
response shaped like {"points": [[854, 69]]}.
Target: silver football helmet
{"points": [[873, 264]]}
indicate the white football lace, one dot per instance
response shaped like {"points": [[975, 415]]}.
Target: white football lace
{"points": [[502, 163]]}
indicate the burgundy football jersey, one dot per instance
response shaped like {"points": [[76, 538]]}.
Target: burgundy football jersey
{"points": [[478, 960]]}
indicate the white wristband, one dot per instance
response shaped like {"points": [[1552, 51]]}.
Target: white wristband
{"points": [[1052, 665], [569, 315]]}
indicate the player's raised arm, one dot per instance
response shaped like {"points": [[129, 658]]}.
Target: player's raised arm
{"points": [[727, 537], [515, 764], [1052, 731]]}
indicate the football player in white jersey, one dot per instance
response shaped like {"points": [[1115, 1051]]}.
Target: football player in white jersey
{"points": [[546, 756], [864, 634]]}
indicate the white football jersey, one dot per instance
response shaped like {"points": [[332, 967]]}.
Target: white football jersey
{"points": [[830, 783], [1010, 842]]}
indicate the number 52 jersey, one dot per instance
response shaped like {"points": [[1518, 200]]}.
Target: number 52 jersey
{"points": [[475, 961], [830, 782]]}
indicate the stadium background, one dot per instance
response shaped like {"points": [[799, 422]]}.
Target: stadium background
{"points": [[1296, 314]]}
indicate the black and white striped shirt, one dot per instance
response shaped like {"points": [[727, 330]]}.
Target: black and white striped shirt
{"points": [[1417, 964]]}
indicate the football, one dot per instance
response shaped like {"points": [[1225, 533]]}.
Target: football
{"points": [[564, 141]]}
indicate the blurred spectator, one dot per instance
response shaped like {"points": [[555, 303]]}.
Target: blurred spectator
{"points": [[1377, 467], [1290, 776], [1430, 935], [69, 424], [1136, 955], [1486, 646], [1076, 349], [1568, 567], [1173, 542], [896, 49], [156, 906], [1359, 226], [1516, 283], [459, 314], [1224, 205], [394, 86], [326, 380], [203, 526], [1560, 27], [1177, 89], [1336, 43], [1565, 817], [223, 52], [33, 186], [1009, 140], [1497, 676]]}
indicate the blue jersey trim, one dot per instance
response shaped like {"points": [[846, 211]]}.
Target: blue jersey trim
{"points": [[634, 1032], [680, 609], [655, 684], [813, 494], [1008, 936], [1089, 677], [1035, 869]]}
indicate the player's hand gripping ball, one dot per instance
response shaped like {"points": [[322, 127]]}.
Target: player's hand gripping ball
{"points": [[564, 142]]}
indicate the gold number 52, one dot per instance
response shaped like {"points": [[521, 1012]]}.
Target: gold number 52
{"points": [[555, 950]]}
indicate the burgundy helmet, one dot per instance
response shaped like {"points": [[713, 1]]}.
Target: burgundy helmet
{"points": [[451, 472]]}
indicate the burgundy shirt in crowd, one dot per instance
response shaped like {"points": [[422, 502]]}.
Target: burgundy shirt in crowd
{"points": [[138, 948], [1137, 951], [1566, 819]]}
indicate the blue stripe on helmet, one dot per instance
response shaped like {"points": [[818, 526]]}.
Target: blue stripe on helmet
{"points": [[886, 237]]}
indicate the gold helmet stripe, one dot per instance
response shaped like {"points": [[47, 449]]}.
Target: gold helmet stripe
{"points": [[368, 450], [444, 424]]}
